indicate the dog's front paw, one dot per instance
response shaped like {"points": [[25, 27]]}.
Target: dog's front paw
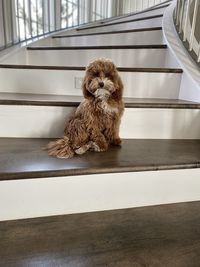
{"points": [[97, 148], [116, 141], [83, 149]]}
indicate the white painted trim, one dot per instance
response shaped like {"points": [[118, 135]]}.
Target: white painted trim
{"points": [[77, 194]]}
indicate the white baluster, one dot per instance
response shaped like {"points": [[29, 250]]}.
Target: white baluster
{"points": [[198, 56], [191, 40], [186, 20], [178, 12], [181, 15]]}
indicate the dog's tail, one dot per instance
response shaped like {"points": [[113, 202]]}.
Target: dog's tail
{"points": [[60, 148]]}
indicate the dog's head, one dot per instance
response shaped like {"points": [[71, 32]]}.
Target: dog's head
{"points": [[102, 81]]}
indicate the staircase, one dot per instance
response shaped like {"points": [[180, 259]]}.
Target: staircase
{"points": [[158, 162]]}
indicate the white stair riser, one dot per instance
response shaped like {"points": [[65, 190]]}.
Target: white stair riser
{"points": [[49, 122], [161, 123], [136, 84], [76, 194], [141, 58], [148, 23], [136, 38], [149, 58]]}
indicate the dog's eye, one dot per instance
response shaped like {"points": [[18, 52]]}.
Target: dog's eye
{"points": [[96, 74], [108, 75]]}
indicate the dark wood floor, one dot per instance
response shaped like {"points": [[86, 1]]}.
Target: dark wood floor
{"points": [[159, 236], [25, 158]]}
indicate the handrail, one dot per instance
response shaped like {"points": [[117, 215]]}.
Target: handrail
{"points": [[25, 20], [187, 21]]}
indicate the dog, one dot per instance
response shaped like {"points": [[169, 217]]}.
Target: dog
{"points": [[95, 123]]}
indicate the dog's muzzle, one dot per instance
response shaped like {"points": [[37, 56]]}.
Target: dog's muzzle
{"points": [[101, 93], [105, 89]]}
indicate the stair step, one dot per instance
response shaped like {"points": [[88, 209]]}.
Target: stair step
{"points": [[142, 14], [121, 22], [136, 56], [78, 68], [151, 11], [146, 57], [129, 15], [106, 33], [166, 235], [162, 82], [25, 158], [148, 23], [74, 101], [20, 113], [101, 47], [128, 37]]}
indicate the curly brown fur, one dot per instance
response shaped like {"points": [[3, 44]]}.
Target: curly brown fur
{"points": [[95, 123]]}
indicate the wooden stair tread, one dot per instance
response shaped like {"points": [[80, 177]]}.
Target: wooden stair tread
{"points": [[23, 158], [79, 68], [100, 47], [165, 235], [72, 100], [107, 32]]}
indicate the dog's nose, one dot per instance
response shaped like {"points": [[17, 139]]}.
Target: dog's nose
{"points": [[101, 84]]}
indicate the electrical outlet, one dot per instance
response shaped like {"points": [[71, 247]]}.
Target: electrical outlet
{"points": [[78, 82]]}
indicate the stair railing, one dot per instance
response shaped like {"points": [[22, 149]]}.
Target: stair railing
{"points": [[25, 20], [187, 22]]}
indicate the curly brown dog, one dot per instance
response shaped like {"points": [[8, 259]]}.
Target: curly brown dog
{"points": [[95, 123]]}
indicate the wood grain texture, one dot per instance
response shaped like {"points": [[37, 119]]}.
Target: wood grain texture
{"points": [[74, 101], [157, 236], [108, 32], [120, 69], [25, 158]]}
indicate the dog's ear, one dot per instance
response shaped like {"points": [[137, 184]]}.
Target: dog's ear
{"points": [[86, 93], [119, 87]]}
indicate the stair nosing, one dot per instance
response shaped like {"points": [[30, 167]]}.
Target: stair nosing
{"points": [[75, 172], [120, 22], [107, 33], [27, 99], [75, 68], [102, 47]]}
